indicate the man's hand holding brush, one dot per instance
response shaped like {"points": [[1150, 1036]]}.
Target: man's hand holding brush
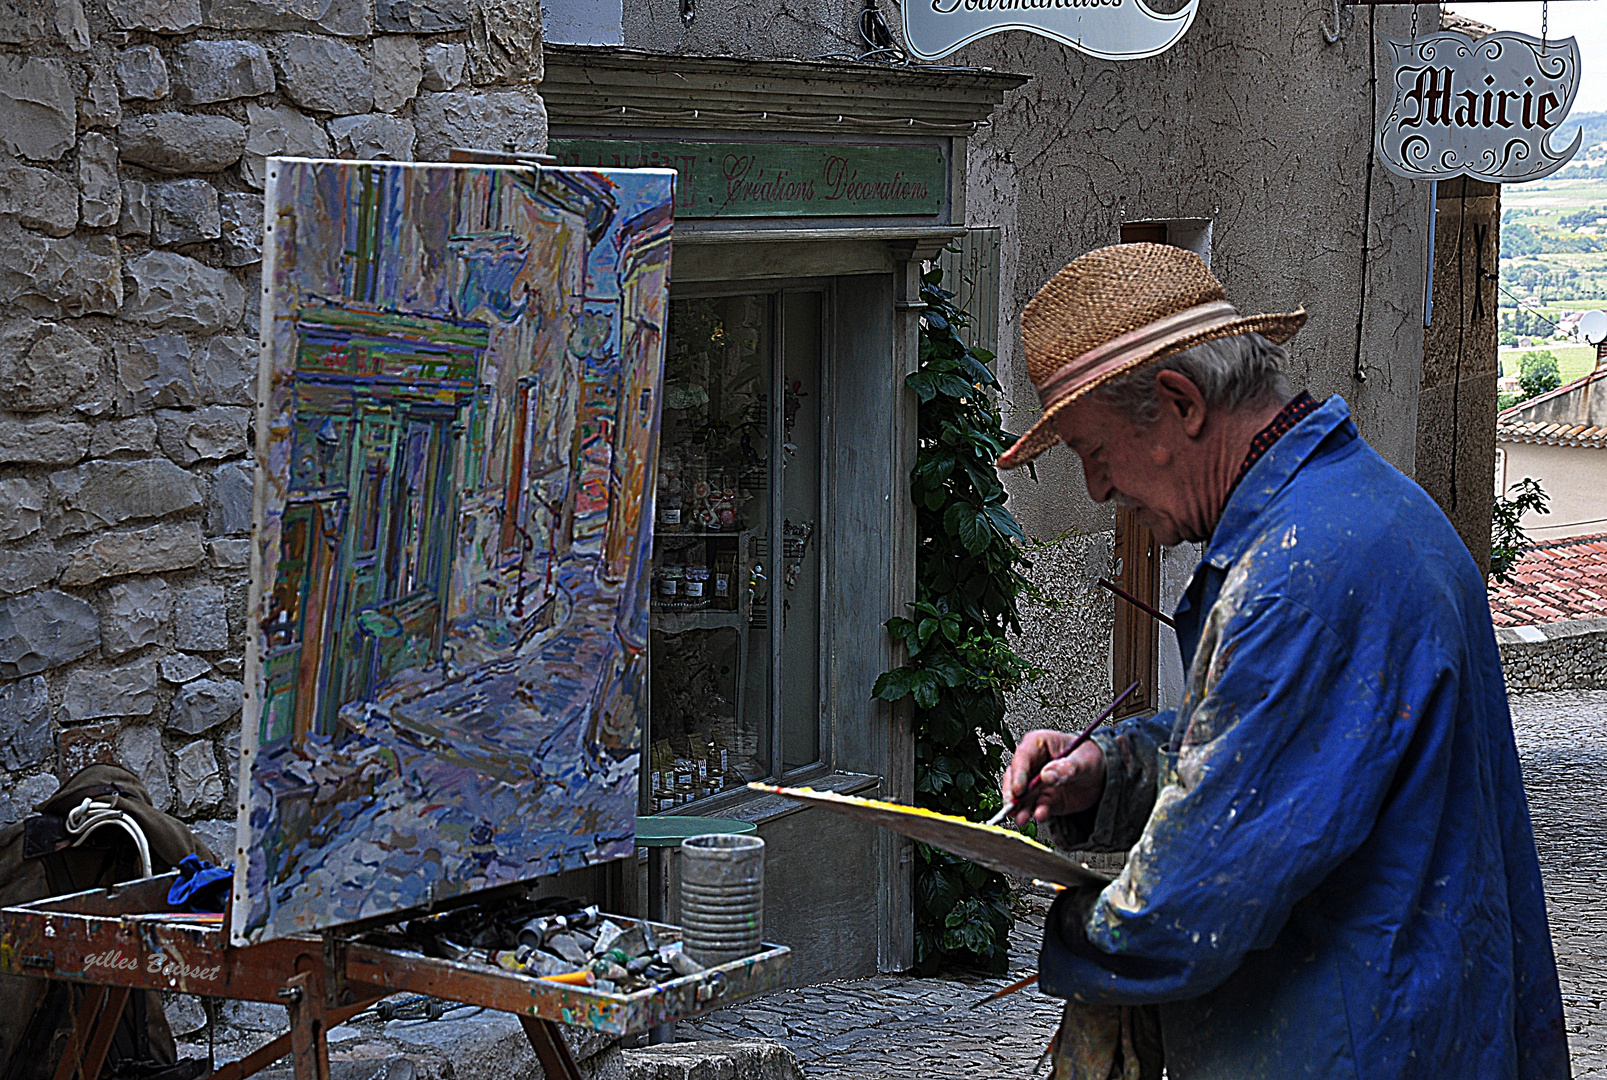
{"points": [[1066, 783], [1053, 773]]}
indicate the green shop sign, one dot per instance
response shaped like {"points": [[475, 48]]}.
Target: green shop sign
{"points": [[727, 179]]}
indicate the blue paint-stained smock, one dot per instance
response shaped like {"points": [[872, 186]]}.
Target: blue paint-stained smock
{"points": [[1332, 871]]}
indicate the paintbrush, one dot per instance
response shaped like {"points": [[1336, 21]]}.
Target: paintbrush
{"points": [[1010, 807], [1139, 604], [1019, 984]]}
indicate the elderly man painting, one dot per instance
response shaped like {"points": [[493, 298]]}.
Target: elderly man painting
{"points": [[1330, 866]]}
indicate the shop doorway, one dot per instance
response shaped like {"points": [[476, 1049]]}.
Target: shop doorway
{"points": [[734, 651]]}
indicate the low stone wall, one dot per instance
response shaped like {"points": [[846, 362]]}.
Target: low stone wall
{"points": [[132, 140], [1555, 656]]}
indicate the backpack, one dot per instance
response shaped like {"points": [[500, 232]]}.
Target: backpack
{"points": [[98, 830]]}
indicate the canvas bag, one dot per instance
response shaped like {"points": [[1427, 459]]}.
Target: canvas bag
{"points": [[37, 861]]}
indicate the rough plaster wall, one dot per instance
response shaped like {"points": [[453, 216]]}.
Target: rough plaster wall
{"points": [[1253, 122], [132, 136], [766, 28]]}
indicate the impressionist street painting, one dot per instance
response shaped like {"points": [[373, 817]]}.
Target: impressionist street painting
{"points": [[456, 447]]}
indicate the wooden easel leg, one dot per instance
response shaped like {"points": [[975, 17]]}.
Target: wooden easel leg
{"points": [[551, 1050], [111, 1014], [83, 1024], [258, 1060], [94, 1026], [309, 1049]]}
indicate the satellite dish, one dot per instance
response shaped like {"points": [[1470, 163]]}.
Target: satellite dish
{"points": [[1593, 326]]}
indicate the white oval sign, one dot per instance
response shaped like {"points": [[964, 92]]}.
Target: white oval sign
{"points": [[1108, 29], [1483, 108]]}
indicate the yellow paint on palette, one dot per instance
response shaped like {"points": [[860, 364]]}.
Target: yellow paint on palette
{"points": [[992, 846]]}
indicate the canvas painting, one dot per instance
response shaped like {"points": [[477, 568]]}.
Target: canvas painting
{"points": [[456, 438]]}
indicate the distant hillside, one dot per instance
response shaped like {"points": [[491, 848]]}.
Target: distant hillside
{"points": [[1594, 123]]}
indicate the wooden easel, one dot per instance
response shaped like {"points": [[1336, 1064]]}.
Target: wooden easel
{"points": [[118, 940]]}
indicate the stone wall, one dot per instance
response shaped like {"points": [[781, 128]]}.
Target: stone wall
{"points": [[132, 140], [1554, 656]]}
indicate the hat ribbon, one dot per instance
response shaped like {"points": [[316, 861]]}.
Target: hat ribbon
{"points": [[1133, 345]]}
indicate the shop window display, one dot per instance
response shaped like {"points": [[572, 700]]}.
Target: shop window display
{"points": [[717, 653]]}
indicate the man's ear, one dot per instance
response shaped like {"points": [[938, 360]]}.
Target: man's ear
{"points": [[1176, 393]]}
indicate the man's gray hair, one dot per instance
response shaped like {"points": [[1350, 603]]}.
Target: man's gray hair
{"points": [[1232, 373]]}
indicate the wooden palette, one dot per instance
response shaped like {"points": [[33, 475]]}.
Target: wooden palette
{"points": [[996, 848]]}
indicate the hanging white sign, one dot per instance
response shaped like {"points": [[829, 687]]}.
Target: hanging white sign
{"points": [[1484, 108], [1109, 29]]}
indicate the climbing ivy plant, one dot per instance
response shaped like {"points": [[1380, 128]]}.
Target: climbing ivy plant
{"points": [[968, 577]]}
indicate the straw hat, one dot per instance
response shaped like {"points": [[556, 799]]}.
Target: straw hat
{"points": [[1115, 309]]}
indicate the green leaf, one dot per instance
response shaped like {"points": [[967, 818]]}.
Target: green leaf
{"points": [[893, 685]]}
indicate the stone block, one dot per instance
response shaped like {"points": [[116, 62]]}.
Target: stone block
{"points": [[136, 435], [101, 196], [422, 16], [282, 131], [142, 73], [398, 67], [344, 18], [135, 219], [139, 750], [91, 744], [126, 691], [184, 212], [26, 739], [229, 503], [197, 782], [706, 1059], [72, 25], [151, 550], [179, 143], [200, 621], [38, 197], [137, 613], [442, 66], [221, 71], [204, 704], [219, 836], [24, 22], [44, 630], [325, 76], [101, 105], [226, 370], [508, 121], [374, 136], [505, 42], [180, 668], [38, 109], [42, 441], [101, 494], [158, 16], [18, 802], [156, 371], [241, 214], [230, 554], [56, 278], [47, 365], [26, 568], [174, 291], [22, 503], [210, 434]]}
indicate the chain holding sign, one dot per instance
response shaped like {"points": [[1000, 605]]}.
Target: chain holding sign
{"points": [[1484, 108], [1108, 29]]}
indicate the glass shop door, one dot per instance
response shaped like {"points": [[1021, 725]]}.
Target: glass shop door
{"points": [[734, 652]]}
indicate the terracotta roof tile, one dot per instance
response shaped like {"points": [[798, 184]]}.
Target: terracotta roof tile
{"points": [[1554, 582]]}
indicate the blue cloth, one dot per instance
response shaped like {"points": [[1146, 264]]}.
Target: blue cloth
{"points": [[1332, 870], [200, 886]]}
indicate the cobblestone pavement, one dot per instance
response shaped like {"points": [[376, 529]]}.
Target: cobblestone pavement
{"points": [[890, 1026], [1562, 739]]}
